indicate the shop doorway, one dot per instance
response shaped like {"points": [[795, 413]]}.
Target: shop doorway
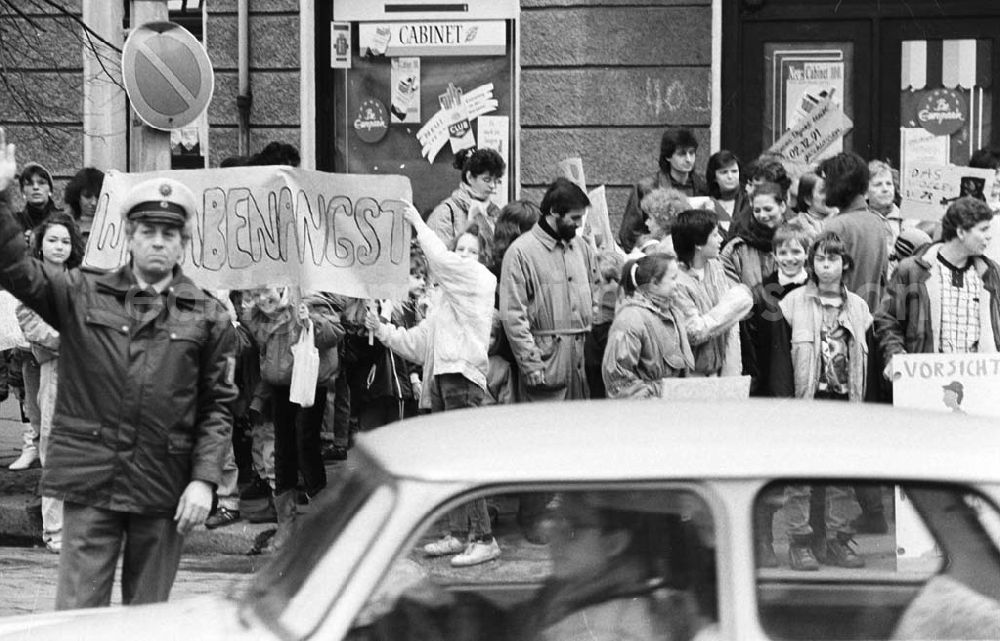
{"points": [[885, 63]]}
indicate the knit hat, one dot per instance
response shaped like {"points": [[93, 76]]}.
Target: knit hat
{"points": [[31, 169], [909, 241]]}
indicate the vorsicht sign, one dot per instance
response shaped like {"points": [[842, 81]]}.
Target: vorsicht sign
{"points": [[451, 38], [167, 74]]}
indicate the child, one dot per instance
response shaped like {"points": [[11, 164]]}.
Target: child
{"points": [[748, 258], [647, 341], [275, 325], [828, 353], [710, 304], [765, 325], [452, 343]]}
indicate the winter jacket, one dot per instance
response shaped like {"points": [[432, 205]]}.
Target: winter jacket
{"points": [[864, 235], [546, 307], [31, 217], [634, 219], [712, 307], [804, 314], [451, 218], [275, 335], [764, 335], [645, 345], [908, 321], [455, 337], [747, 264], [43, 339], [145, 381]]}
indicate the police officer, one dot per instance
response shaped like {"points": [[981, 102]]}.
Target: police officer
{"points": [[142, 418]]}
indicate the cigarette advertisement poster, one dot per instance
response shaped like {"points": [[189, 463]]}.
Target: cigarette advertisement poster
{"points": [[404, 107], [928, 188], [256, 226]]}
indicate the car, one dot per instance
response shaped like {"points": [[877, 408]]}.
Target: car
{"points": [[650, 510]]}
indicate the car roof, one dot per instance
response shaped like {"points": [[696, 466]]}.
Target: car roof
{"points": [[643, 440]]}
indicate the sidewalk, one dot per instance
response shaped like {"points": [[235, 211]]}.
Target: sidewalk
{"points": [[20, 516]]}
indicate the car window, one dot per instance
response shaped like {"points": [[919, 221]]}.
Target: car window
{"points": [[294, 589], [622, 563], [861, 560]]}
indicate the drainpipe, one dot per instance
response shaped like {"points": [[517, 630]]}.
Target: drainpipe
{"points": [[244, 98]]}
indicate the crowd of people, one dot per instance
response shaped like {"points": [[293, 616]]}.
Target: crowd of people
{"points": [[809, 287]]}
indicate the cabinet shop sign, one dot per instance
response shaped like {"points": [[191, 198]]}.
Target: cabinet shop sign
{"points": [[256, 226]]}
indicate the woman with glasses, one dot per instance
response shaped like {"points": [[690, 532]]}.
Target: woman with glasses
{"points": [[482, 176]]}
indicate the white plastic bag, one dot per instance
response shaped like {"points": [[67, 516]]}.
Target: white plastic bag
{"points": [[305, 368]]}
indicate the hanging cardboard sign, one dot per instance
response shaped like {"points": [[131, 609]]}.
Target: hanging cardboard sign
{"points": [[802, 145], [494, 133], [405, 81], [340, 45], [928, 189]]}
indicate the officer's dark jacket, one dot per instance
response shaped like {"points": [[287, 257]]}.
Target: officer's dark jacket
{"points": [[145, 381]]}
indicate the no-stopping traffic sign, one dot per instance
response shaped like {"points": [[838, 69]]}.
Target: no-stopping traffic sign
{"points": [[167, 73]]}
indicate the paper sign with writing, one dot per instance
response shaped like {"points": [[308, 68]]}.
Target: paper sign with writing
{"points": [[341, 233], [948, 383], [572, 169], [928, 189], [598, 220], [716, 388], [810, 136]]}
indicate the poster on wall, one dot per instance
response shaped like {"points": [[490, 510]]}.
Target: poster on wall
{"points": [[442, 126], [917, 145], [799, 77], [405, 83], [813, 136], [494, 133]]}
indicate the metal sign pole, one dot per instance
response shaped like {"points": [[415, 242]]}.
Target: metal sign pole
{"points": [[150, 148]]}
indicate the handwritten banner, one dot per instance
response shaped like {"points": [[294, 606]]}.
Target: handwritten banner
{"points": [[821, 127], [957, 383], [929, 188], [255, 226]]}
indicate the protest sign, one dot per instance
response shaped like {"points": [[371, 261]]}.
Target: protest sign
{"points": [[255, 226], [811, 135], [598, 221], [572, 169], [715, 388], [10, 330], [928, 189]]}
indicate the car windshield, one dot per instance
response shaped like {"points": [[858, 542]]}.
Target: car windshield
{"points": [[359, 490]]}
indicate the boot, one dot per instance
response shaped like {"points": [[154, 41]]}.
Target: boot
{"points": [[763, 535], [265, 514], [28, 459], [287, 511], [800, 553]]}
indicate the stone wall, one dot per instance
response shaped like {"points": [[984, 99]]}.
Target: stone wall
{"points": [[41, 59], [602, 80], [274, 75]]}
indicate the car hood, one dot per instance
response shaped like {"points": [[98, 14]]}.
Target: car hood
{"points": [[208, 617]]}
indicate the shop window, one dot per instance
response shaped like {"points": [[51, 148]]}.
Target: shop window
{"points": [[619, 563], [927, 560]]}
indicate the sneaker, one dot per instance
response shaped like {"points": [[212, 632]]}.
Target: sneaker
{"points": [[840, 553], [222, 517], [28, 459], [55, 547], [800, 558], [477, 552], [258, 489], [447, 544]]}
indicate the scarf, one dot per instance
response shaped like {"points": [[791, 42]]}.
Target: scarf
{"points": [[758, 236]]}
